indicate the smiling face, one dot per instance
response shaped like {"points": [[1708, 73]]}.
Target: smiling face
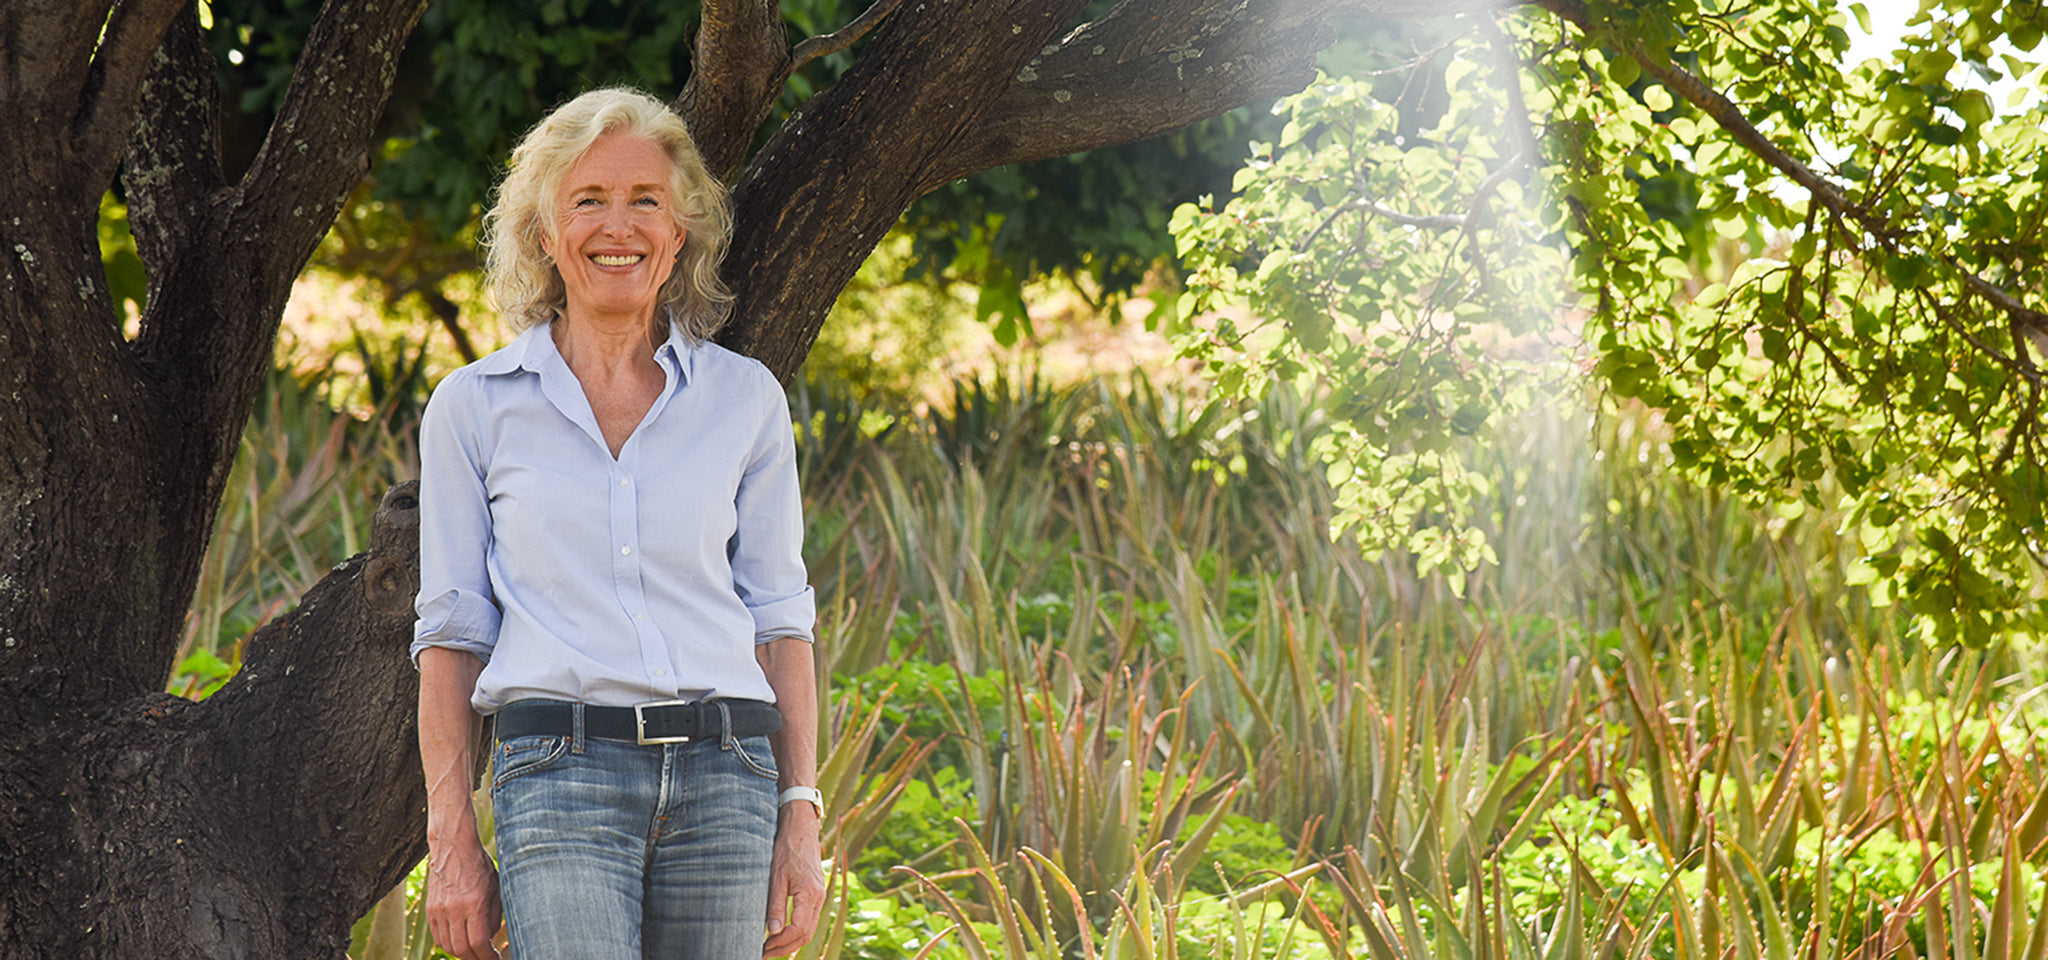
{"points": [[616, 234]]}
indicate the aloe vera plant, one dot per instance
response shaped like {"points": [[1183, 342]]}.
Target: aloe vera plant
{"points": [[1111, 636]]}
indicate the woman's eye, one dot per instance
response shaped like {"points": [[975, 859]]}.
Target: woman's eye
{"points": [[649, 202]]}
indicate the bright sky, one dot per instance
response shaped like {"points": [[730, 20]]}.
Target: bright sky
{"points": [[1888, 23]]}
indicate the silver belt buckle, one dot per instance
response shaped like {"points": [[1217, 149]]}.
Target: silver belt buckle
{"points": [[640, 722]]}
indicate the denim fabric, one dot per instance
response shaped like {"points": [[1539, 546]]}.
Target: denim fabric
{"points": [[617, 851]]}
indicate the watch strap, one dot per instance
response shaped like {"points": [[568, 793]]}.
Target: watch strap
{"points": [[811, 795]]}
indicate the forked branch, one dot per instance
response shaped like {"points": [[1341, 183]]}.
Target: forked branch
{"points": [[733, 79], [839, 39], [173, 160], [113, 87]]}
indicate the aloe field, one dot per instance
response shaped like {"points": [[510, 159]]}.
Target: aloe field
{"points": [[1102, 686]]}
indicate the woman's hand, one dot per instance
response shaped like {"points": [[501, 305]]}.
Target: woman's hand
{"points": [[796, 882], [796, 878], [463, 911]]}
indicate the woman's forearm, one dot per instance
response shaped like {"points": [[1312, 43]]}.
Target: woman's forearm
{"points": [[788, 665], [448, 737], [796, 879], [463, 911]]}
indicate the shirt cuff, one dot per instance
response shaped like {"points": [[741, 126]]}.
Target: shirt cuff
{"points": [[457, 620], [792, 616]]}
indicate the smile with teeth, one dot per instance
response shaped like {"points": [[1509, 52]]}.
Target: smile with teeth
{"points": [[617, 260]]}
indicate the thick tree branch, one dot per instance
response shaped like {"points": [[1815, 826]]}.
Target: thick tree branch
{"points": [[46, 54], [1147, 67], [1031, 89], [847, 165], [173, 164], [735, 74], [169, 798], [1151, 66], [224, 265], [114, 86], [319, 145], [228, 282], [337, 663]]}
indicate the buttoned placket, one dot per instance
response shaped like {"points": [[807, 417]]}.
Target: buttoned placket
{"points": [[623, 513]]}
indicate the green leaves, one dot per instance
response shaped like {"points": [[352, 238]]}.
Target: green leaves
{"points": [[1848, 346], [1383, 271], [1804, 350]]}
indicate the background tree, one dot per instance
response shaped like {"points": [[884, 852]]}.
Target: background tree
{"points": [[1820, 275], [476, 74], [132, 823]]}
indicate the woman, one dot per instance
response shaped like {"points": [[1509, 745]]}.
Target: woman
{"points": [[610, 562]]}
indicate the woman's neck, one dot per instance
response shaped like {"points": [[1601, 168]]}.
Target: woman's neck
{"points": [[604, 347]]}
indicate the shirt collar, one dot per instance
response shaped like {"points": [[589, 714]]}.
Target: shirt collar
{"points": [[678, 353], [535, 348]]}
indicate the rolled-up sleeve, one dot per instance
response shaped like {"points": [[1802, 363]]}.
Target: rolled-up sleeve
{"points": [[767, 546], [454, 605]]}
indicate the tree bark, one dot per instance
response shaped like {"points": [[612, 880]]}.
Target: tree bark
{"points": [[263, 821], [133, 824]]}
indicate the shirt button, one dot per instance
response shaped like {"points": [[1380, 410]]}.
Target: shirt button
{"points": [[622, 481], [625, 551]]}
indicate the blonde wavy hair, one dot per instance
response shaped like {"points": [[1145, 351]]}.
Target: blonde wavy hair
{"points": [[522, 282]]}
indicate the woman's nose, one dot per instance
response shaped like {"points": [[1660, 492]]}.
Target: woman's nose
{"points": [[617, 220]]}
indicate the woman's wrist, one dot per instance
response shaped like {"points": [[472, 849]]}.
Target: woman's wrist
{"points": [[803, 797]]}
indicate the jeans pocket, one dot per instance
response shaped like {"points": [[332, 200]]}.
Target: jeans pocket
{"points": [[523, 755], [762, 766]]}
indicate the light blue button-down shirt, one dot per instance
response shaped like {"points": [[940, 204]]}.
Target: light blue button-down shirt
{"points": [[575, 576]]}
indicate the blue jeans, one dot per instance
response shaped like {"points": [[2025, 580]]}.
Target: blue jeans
{"points": [[613, 850]]}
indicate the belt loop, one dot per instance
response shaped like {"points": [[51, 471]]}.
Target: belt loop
{"points": [[576, 739], [726, 741]]}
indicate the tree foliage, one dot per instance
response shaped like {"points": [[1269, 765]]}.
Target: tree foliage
{"points": [[476, 73], [1820, 275], [1348, 287]]}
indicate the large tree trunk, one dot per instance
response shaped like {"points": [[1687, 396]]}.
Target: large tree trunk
{"points": [[263, 821], [259, 823]]}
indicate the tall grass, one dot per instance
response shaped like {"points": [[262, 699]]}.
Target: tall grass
{"points": [[1664, 725], [1103, 686]]}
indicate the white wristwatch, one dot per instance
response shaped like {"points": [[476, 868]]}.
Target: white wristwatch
{"points": [[810, 795]]}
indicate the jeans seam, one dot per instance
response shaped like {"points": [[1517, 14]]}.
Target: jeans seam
{"points": [[748, 760], [550, 755]]}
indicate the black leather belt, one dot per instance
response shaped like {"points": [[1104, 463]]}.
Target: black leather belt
{"points": [[673, 721]]}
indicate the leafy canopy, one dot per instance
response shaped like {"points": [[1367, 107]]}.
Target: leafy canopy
{"points": [[476, 73], [1823, 277]]}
